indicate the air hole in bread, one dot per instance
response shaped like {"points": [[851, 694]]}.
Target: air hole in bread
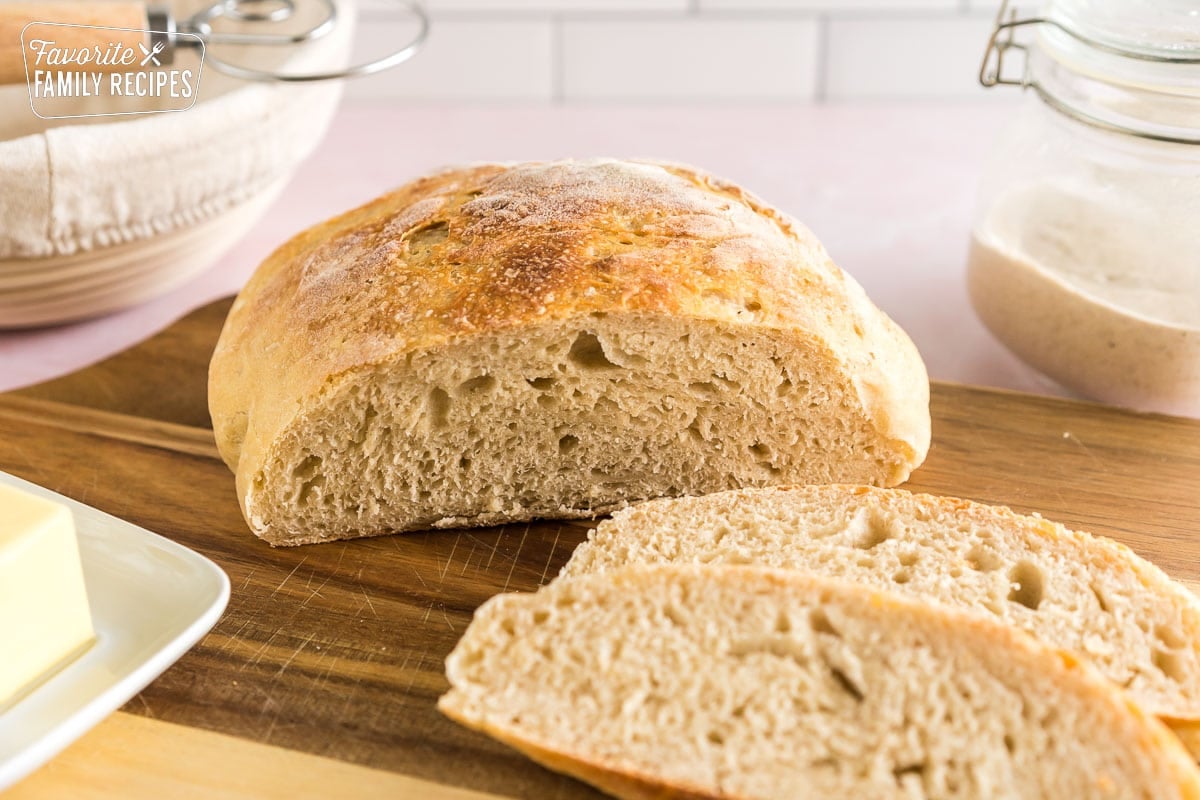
{"points": [[715, 737], [1027, 585], [588, 354], [984, 559], [675, 615], [464, 463], [818, 620], [604, 405], [706, 388], [777, 646], [310, 490], [783, 623], [1170, 637], [901, 576], [1171, 665], [1010, 744], [482, 383], [869, 530], [428, 235], [567, 443], [1101, 598], [753, 306], [909, 558], [541, 616], [370, 413], [848, 686], [438, 407], [542, 384], [307, 468], [909, 771], [760, 451]]}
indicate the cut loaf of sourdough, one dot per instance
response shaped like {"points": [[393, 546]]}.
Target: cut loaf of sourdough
{"points": [[497, 343], [1071, 590], [738, 682]]}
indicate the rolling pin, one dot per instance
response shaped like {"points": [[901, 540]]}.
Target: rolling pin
{"points": [[15, 16]]}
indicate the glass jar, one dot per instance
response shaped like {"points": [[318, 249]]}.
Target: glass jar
{"points": [[1085, 251]]}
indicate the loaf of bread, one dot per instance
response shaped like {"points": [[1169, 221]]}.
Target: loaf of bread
{"points": [[1073, 591], [498, 343], [738, 682]]}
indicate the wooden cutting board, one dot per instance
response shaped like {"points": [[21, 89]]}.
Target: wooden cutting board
{"points": [[321, 678]]}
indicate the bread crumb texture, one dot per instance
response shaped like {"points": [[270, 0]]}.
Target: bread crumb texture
{"points": [[1071, 590], [500, 342], [740, 682]]}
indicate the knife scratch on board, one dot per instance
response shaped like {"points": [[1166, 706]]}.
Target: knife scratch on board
{"points": [[232, 640], [516, 555], [288, 661], [493, 548], [420, 579], [289, 576], [316, 592], [367, 597], [249, 575], [449, 559], [1095, 459], [550, 558], [323, 676], [470, 555], [146, 710], [258, 654]]}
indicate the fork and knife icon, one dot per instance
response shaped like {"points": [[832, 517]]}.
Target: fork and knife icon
{"points": [[152, 55]]}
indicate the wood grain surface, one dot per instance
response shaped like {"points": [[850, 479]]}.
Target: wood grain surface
{"points": [[336, 650]]}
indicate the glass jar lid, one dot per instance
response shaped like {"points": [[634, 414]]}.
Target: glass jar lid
{"points": [[1129, 66], [1165, 29]]}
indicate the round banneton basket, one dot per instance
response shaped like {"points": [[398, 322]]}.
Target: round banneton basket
{"points": [[101, 213]]}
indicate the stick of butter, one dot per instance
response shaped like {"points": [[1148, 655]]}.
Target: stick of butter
{"points": [[44, 617]]}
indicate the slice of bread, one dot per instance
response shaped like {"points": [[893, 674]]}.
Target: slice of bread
{"points": [[502, 342], [1071, 590], [740, 682]]}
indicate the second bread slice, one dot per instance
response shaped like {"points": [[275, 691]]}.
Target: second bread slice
{"points": [[708, 682], [1071, 590]]}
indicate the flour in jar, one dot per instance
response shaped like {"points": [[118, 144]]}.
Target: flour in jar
{"points": [[1095, 292]]}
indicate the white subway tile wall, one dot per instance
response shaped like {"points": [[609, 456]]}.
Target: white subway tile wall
{"points": [[554, 51]]}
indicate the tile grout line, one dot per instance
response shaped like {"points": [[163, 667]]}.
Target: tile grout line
{"points": [[558, 78], [821, 89]]}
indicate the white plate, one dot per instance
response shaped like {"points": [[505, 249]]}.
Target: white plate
{"points": [[151, 599]]}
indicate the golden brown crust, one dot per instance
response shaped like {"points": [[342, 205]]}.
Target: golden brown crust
{"points": [[481, 249], [610, 779], [1187, 731]]}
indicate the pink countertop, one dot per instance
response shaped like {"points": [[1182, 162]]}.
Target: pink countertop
{"points": [[888, 188]]}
